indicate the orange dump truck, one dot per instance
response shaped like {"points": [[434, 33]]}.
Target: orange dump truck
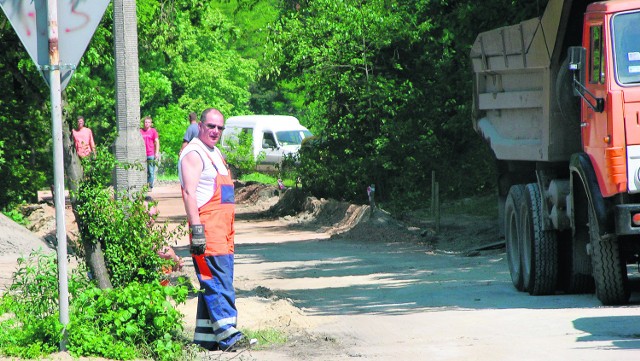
{"points": [[558, 100]]}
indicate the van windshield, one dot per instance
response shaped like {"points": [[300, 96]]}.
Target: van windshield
{"points": [[292, 137], [626, 44]]}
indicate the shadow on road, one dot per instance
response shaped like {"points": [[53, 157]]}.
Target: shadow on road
{"points": [[339, 277], [622, 331]]}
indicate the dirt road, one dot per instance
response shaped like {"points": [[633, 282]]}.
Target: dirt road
{"points": [[396, 300], [386, 298]]}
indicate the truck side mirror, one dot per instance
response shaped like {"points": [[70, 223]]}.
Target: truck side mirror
{"points": [[577, 56]]}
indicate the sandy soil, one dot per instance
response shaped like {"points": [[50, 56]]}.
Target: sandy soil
{"points": [[264, 217]]}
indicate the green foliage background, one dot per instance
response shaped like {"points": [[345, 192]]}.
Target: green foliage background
{"points": [[385, 84]]}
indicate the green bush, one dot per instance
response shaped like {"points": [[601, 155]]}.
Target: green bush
{"points": [[239, 154], [30, 324], [128, 322], [16, 216], [121, 224], [135, 319], [138, 320]]}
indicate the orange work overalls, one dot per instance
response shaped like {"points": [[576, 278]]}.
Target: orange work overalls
{"points": [[216, 317]]}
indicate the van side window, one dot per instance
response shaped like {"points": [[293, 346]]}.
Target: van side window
{"points": [[268, 141]]}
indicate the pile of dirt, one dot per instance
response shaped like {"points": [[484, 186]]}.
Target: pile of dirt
{"points": [[322, 215], [18, 241], [456, 234], [251, 192]]}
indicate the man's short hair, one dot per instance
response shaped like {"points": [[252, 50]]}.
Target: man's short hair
{"points": [[193, 116], [206, 112]]}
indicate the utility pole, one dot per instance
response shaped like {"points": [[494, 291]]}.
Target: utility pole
{"points": [[129, 146]]}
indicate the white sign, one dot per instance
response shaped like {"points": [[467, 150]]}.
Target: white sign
{"points": [[77, 21]]}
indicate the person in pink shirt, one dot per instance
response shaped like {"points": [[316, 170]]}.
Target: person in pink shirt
{"points": [[83, 139], [152, 146]]}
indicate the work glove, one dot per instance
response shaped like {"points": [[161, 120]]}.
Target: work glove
{"points": [[198, 242]]}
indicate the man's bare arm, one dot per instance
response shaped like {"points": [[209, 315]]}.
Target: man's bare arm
{"points": [[157, 144], [191, 171]]}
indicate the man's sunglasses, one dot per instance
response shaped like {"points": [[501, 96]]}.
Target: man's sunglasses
{"points": [[213, 126]]}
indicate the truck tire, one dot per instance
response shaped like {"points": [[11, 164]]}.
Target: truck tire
{"points": [[539, 248], [512, 234], [609, 268]]}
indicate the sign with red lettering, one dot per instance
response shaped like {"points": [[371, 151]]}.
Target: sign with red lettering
{"points": [[77, 21]]}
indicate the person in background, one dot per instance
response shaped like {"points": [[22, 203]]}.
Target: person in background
{"points": [[152, 147], [207, 192], [83, 139], [192, 130]]}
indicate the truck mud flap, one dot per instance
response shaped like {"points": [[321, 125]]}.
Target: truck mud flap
{"points": [[580, 166]]}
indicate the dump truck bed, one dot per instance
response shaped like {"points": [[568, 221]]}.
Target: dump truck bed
{"points": [[517, 106]]}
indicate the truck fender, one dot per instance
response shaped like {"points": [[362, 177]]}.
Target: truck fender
{"points": [[582, 173]]}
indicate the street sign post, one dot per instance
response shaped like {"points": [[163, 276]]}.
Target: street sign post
{"points": [[56, 53]]}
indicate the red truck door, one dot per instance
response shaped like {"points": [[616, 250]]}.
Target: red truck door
{"points": [[596, 132]]}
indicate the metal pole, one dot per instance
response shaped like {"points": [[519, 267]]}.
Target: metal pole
{"points": [[433, 193], [437, 206], [58, 165]]}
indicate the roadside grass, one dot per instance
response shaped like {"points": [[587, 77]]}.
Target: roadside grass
{"points": [[485, 205], [266, 337], [266, 179]]}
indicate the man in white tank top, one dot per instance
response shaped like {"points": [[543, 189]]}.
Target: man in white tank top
{"points": [[208, 195]]}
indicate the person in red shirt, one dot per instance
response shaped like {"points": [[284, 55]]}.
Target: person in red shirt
{"points": [[152, 147], [83, 139]]}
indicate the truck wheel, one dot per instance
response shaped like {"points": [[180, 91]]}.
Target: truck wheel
{"points": [[512, 234], [609, 269], [539, 248]]}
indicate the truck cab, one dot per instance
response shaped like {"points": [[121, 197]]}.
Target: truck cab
{"points": [[611, 76]]}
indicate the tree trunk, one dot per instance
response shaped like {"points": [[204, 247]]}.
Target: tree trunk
{"points": [[73, 169], [95, 259]]}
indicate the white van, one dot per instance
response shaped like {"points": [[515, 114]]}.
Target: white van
{"points": [[275, 135]]}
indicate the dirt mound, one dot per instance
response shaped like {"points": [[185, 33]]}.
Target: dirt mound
{"points": [[18, 240], [322, 215], [251, 192], [457, 234]]}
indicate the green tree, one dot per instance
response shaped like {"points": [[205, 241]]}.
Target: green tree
{"points": [[25, 123], [189, 52], [387, 85]]}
